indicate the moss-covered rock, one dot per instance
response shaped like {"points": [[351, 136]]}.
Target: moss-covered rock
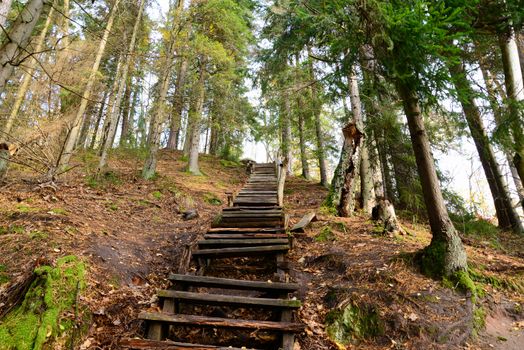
{"points": [[41, 317], [353, 323]]}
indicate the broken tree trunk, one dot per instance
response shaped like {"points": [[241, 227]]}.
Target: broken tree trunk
{"points": [[384, 212], [352, 146]]}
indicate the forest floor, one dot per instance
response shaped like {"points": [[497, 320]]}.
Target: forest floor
{"points": [[131, 234]]}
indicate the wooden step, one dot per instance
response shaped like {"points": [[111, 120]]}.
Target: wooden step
{"points": [[253, 202], [218, 322], [250, 224], [219, 299], [228, 283], [241, 242], [259, 213], [245, 230], [240, 236], [238, 252], [148, 344], [270, 208]]}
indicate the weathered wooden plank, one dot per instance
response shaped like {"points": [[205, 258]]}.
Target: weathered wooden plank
{"points": [[241, 242], [241, 236], [207, 321], [244, 251], [257, 213], [299, 226], [244, 230], [271, 207], [148, 344], [216, 282], [220, 299]]}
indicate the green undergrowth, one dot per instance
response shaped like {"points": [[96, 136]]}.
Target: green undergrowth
{"points": [[514, 284], [210, 198], [229, 163], [325, 235], [48, 309], [353, 323]]}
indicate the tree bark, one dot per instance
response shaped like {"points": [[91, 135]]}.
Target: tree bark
{"points": [[506, 214], [72, 135], [98, 120], [302, 141], [285, 121], [445, 255], [128, 97], [317, 111], [196, 116], [515, 93], [5, 7], [352, 147], [15, 44], [178, 105], [496, 108], [28, 76], [365, 172]]}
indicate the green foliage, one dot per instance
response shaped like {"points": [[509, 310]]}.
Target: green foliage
{"points": [[41, 317], [157, 195], [229, 163], [325, 235], [212, 199], [103, 180]]}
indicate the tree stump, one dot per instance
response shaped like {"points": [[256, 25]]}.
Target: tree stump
{"points": [[384, 212]]}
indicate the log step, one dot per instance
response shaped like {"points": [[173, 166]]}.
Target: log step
{"points": [[241, 236], [244, 251], [228, 283], [245, 230], [219, 299], [241, 242], [260, 213], [270, 208], [148, 344], [219, 322]]}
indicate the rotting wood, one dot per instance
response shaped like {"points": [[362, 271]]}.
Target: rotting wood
{"points": [[147, 344], [250, 251], [219, 299], [217, 282], [208, 321], [306, 219]]}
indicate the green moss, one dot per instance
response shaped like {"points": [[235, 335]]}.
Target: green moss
{"points": [[352, 324], [18, 229], [229, 163], [498, 282], [326, 234], [157, 194], [479, 319], [58, 211], [432, 259], [22, 208], [103, 180], [212, 199], [36, 234], [42, 315]]}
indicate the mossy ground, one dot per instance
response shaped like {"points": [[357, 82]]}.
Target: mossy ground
{"points": [[352, 324], [47, 309]]}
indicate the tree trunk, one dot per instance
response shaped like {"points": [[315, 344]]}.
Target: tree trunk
{"points": [[317, 110], [98, 121], [16, 42], [366, 176], [115, 109], [286, 134], [445, 255], [520, 45], [178, 105], [196, 116], [72, 135], [352, 146], [5, 7], [515, 93], [124, 131], [496, 108], [506, 214], [28, 76]]}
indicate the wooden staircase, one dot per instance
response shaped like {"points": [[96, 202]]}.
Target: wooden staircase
{"points": [[253, 228]]}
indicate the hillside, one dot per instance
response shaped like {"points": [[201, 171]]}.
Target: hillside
{"points": [[129, 234]]}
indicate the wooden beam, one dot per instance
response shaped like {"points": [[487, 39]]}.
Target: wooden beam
{"points": [[208, 321], [228, 283]]}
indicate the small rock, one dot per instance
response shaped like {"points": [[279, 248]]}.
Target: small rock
{"points": [[190, 214]]}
